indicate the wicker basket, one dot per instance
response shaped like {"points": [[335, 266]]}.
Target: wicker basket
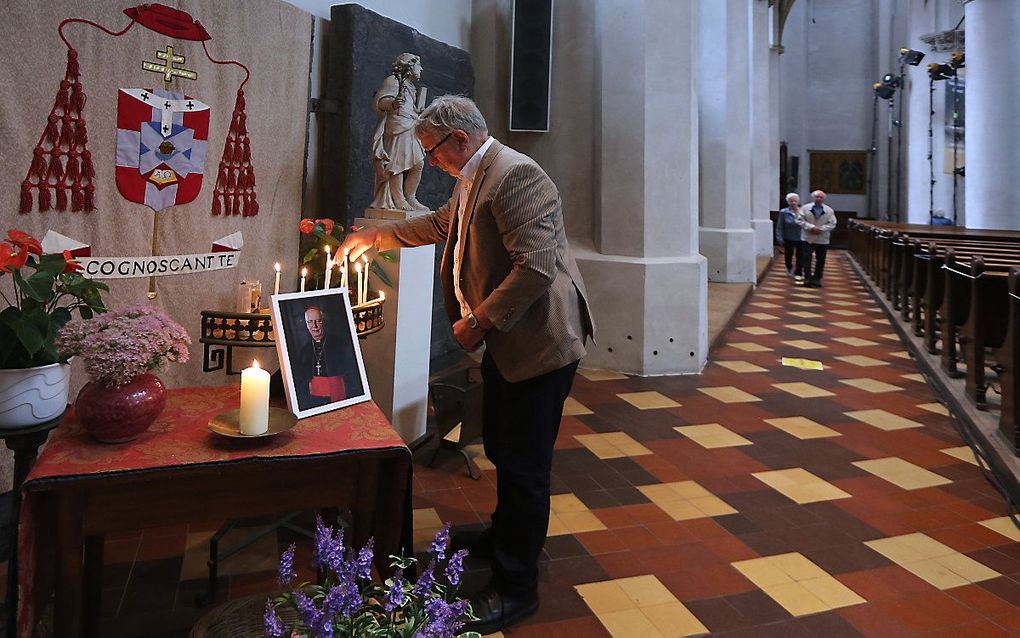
{"points": [[241, 618]]}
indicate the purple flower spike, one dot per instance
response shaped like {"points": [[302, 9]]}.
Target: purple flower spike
{"points": [[274, 626], [396, 597], [306, 607], [363, 563], [286, 574], [456, 566], [426, 580], [441, 542]]}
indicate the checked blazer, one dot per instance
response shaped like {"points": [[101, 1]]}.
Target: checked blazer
{"points": [[516, 265]]}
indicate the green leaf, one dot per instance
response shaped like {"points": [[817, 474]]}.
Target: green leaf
{"points": [[470, 634], [310, 255], [39, 286], [54, 264], [30, 336]]}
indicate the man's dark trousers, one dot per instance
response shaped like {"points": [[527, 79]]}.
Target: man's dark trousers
{"points": [[520, 424], [819, 251]]}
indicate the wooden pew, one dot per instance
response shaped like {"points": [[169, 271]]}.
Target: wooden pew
{"points": [[1008, 358], [985, 327]]}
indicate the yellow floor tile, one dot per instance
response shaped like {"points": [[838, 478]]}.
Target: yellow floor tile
{"points": [[712, 506], [802, 428], [685, 500], [648, 400], [804, 327], [426, 518], [804, 314], [855, 341], [794, 598], [891, 336], [748, 346], [556, 526], [913, 377], [964, 453], [577, 522], [937, 563], [846, 313], [768, 296], [564, 503], [844, 303], [612, 445], [605, 597], [729, 394], [630, 623], [681, 510], [902, 473], [600, 375], [712, 435], [646, 591], [804, 304], [800, 486], [741, 366], [765, 304], [937, 408], [797, 584], [802, 390], [902, 354], [883, 420], [756, 330], [674, 619], [623, 442], [849, 325], [863, 361], [761, 316], [871, 385], [831, 592], [573, 407], [1003, 525], [804, 344]]}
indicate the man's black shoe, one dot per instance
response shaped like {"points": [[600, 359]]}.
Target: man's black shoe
{"points": [[478, 542], [496, 611]]}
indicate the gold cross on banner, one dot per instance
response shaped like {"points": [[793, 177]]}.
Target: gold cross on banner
{"points": [[167, 68]]}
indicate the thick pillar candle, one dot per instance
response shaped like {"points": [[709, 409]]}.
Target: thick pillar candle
{"points": [[254, 417]]}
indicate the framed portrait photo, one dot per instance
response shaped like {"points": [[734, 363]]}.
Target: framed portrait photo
{"points": [[320, 358]]}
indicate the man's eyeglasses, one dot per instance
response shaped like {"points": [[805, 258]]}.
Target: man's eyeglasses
{"points": [[430, 151]]}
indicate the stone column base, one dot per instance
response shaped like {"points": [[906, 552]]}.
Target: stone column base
{"points": [[730, 254], [651, 315], [399, 376], [763, 237]]}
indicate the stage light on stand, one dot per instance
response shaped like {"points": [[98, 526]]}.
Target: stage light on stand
{"points": [[938, 71], [883, 91], [911, 56], [956, 59]]}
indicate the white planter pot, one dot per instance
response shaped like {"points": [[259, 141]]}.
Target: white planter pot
{"points": [[31, 396]]}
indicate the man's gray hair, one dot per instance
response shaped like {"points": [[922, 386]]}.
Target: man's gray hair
{"points": [[789, 195], [448, 112]]}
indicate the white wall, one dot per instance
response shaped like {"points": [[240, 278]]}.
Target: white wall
{"points": [[448, 21]]}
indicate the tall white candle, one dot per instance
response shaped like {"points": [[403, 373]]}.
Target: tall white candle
{"points": [[304, 273], [364, 298], [329, 268], [357, 268], [344, 266], [276, 286], [254, 417]]}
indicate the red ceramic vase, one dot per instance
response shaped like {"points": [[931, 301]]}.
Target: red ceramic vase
{"points": [[120, 414]]}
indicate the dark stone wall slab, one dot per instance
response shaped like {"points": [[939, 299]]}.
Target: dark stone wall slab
{"points": [[361, 47]]}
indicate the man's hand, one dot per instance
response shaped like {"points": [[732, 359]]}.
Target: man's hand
{"points": [[816, 230], [357, 243], [469, 338]]}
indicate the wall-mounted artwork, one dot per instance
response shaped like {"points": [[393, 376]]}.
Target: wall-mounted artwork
{"points": [[839, 172]]}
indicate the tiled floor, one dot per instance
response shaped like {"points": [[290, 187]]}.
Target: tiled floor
{"points": [[756, 499]]}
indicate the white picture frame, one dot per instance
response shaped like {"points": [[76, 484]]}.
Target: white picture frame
{"points": [[341, 380]]}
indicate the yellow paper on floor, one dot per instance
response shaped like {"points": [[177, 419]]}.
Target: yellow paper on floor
{"points": [[803, 364]]}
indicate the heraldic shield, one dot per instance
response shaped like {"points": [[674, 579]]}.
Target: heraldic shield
{"points": [[161, 147]]}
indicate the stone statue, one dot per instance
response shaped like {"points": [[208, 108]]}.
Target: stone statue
{"points": [[396, 151]]}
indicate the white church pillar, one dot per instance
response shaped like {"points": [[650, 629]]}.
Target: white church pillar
{"points": [[727, 240], [762, 177], [775, 193], [646, 280], [993, 137]]}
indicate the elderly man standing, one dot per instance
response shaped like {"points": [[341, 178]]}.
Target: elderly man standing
{"points": [[510, 282], [817, 222]]}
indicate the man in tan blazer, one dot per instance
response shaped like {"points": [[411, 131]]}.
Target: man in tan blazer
{"points": [[510, 282]]}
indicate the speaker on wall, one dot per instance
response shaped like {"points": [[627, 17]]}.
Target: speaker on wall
{"points": [[531, 65]]}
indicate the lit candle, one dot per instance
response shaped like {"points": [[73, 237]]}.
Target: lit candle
{"points": [[365, 295], [254, 417], [304, 273], [382, 296], [357, 268], [343, 271], [329, 268], [276, 286]]}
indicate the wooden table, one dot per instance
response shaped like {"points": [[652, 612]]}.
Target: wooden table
{"points": [[179, 472]]}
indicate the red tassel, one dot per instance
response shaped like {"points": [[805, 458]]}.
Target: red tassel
{"points": [[44, 198], [62, 96], [77, 199], [228, 153], [221, 181], [226, 206], [81, 134], [242, 124], [61, 198], [216, 209], [56, 170], [73, 171], [90, 192], [25, 205], [38, 167], [254, 206], [72, 63], [231, 182], [51, 134], [87, 170], [78, 96], [239, 102], [246, 157], [64, 141]]}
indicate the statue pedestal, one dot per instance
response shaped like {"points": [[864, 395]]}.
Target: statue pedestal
{"points": [[397, 357]]}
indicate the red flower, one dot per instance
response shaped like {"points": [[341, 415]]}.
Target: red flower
{"points": [[72, 265], [327, 225], [24, 241], [11, 258], [307, 226]]}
